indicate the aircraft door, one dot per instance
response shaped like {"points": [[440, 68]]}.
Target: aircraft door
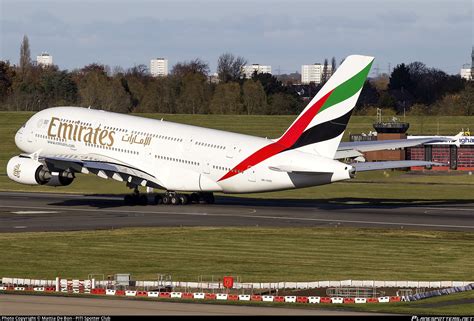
{"points": [[187, 144], [206, 166], [231, 151], [251, 174]]}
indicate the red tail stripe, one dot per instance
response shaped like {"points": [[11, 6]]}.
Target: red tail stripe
{"points": [[295, 131], [286, 141]]}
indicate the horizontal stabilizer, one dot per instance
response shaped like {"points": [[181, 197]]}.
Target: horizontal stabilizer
{"points": [[297, 170], [373, 166]]}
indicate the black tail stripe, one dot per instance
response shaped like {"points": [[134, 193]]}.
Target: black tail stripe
{"points": [[323, 131]]}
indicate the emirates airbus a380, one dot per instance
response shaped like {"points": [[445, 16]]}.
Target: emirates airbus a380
{"points": [[190, 163]]}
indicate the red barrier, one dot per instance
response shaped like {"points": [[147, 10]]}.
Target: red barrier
{"points": [[302, 299], [100, 291], [210, 296], [395, 299], [372, 300], [165, 295], [349, 300], [325, 299], [279, 299], [256, 298], [10, 288], [187, 296], [142, 293], [233, 297], [120, 292], [50, 289], [29, 289]]}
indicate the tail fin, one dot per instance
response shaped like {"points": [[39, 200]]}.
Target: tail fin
{"points": [[319, 128]]}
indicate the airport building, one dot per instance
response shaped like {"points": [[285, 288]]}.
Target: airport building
{"points": [[159, 67], [457, 154], [248, 71], [466, 72], [314, 73], [44, 59]]}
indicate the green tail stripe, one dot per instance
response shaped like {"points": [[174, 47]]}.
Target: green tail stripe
{"points": [[348, 88]]}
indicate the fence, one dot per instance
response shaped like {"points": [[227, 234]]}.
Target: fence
{"points": [[93, 287]]}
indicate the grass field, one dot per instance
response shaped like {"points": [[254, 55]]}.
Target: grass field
{"points": [[255, 254], [372, 186]]}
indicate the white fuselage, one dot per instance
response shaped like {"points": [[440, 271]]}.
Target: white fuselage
{"points": [[180, 157]]}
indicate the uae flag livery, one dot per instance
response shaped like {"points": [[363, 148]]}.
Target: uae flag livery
{"points": [[319, 128]]}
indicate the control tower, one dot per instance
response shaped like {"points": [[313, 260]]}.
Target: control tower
{"points": [[393, 129], [387, 130]]}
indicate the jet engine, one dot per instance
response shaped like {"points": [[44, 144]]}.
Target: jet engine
{"points": [[28, 171]]}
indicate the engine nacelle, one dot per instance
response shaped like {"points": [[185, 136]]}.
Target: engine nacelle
{"points": [[27, 171]]}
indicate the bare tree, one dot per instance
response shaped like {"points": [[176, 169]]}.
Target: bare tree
{"points": [[196, 66], [324, 76], [138, 71], [229, 68], [25, 56], [333, 65]]}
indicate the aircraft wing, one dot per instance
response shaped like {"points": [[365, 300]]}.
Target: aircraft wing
{"points": [[373, 166], [355, 149], [101, 166]]}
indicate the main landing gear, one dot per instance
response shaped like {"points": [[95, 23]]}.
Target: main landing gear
{"points": [[174, 198], [168, 198]]}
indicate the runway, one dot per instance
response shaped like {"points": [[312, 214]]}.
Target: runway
{"points": [[50, 305], [21, 212]]}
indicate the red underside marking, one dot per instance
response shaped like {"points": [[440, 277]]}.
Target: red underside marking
{"points": [[286, 141]]}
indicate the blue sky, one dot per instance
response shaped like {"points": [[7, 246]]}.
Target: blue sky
{"points": [[283, 34]]}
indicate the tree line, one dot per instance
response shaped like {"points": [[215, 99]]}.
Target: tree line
{"points": [[190, 89]]}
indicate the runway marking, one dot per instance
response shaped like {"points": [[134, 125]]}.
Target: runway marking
{"points": [[35, 212], [449, 209], [117, 211], [260, 216], [20, 226]]}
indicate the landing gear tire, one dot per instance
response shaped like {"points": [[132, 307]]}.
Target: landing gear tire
{"points": [[158, 199], [184, 199], [194, 198], [175, 200], [208, 198], [166, 199]]}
